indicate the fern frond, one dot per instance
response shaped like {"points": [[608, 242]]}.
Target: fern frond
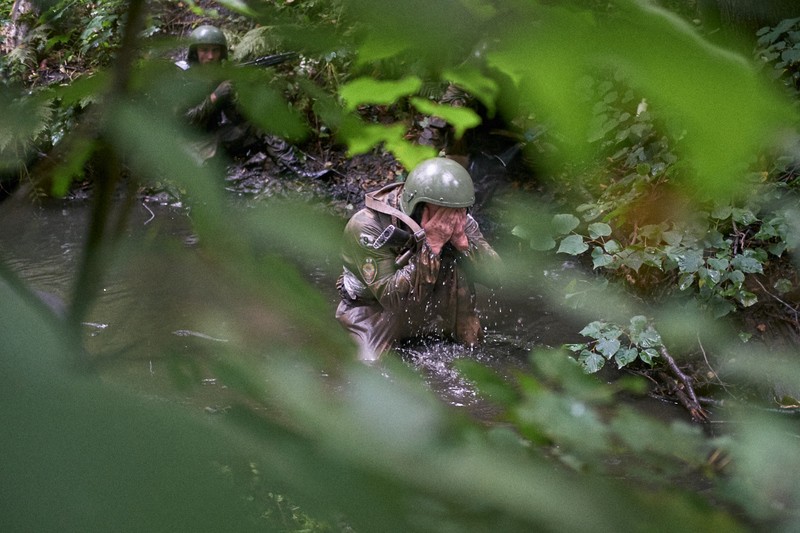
{"points": [[433, 90], [23, 56], [257, 42], [38, 118]]}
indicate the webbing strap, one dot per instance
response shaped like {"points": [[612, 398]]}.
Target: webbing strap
{"points": [[375, 204]]}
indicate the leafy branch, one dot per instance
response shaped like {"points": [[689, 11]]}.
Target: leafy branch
{"points": [[638, 340]]}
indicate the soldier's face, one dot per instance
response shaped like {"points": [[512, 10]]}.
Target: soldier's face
{"points": [[208, 53]]}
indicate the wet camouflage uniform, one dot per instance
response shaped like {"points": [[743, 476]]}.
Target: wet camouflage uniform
{"points": [[222, 125], [383, 302], [220, 120]]}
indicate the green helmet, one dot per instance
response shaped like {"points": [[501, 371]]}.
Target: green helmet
{"points": [[438, 181], [206, 34]]}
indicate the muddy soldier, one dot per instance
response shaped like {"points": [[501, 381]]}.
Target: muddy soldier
{"points": [[411, 258], [216, 114]]}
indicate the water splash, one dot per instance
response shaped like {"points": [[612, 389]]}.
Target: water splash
{"points": [[435, 360]]}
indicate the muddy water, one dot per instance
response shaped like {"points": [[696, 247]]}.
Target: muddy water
{"points": [[155, 304]]}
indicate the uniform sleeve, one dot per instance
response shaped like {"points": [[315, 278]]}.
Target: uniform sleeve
{"points": [[392, 286], [481, 261], [201, 114], [204, 114]]}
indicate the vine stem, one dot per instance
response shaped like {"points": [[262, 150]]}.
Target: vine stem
{"points": [[708, 364], [685, 393], [789, 306]]}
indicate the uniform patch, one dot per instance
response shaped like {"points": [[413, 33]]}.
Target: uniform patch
{"points": [[369, 270]]}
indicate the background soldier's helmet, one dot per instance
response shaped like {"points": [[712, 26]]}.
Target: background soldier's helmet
{"points": [[206, 34], [439, 181]]}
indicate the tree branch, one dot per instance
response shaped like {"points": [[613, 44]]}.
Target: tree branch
{"points": [[685, 388]]}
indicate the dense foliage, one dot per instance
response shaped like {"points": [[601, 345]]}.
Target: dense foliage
{"points": [[635, 221], [671, 179]]}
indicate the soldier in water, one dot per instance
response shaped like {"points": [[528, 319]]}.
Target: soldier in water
{"points": [[411, 258]]}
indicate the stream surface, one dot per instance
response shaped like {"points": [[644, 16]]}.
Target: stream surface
{"points": [[154, 303]]}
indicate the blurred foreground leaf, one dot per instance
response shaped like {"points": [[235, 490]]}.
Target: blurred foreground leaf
{"points": [[716, 99], [78, 455], [369, 91]]}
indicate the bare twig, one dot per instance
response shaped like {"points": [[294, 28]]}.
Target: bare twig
{"points": [[792, 308], [685, 388], [708, 364]]}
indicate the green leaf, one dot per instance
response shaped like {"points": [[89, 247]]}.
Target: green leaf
{"points": [[766, 232], [521, 232], [537, 233], [591, 362], [408, 153], [73, 166], [715, 239], [649, 338], [638, 324], [564, 223], [68, 452], [747, 299], [652, 232], [626, 356], [690, 260], [461, 118], [710, 275], [542, 243], [361, 139], [589, 211], [611, 331], [748, 265], [573, 245], [594, 329], [476, 83], [83, 89], [743, 216], [608, 347], [612, 247], [599, 229], [633, 260], [601, 260], [490, 383], [721, 212], [736, 277], [721, 307], [239, 6], [777, 248], [575, 347], [266, 107], [783, 286], [648, 355], [717, 264], [371, 91], [685, 281], [376, 47], [672, 237]]}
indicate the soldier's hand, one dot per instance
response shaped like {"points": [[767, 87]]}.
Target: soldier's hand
{"points": [[459, 239], [444, 224], [222, 93], [438, 225]]}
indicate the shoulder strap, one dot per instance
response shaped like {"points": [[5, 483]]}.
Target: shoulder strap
{"points": [[382, 207]]}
